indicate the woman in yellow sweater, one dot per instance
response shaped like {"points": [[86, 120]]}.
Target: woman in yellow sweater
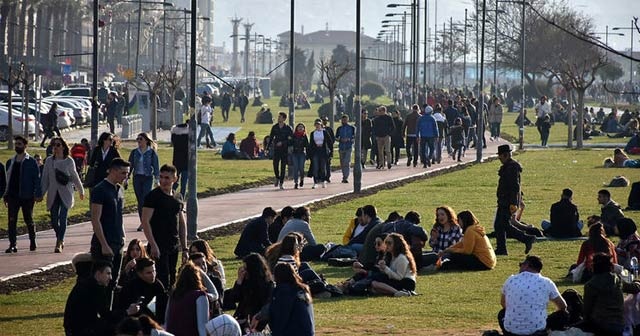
{"points": [[474, 252]]}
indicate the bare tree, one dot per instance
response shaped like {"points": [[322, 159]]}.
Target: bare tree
{"points": [[575, 63], [11, 80], [173, 78], [151, 82], [330, 74], [26, 80]]}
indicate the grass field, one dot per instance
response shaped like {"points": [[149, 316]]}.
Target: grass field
{"points": [[452, 303]]}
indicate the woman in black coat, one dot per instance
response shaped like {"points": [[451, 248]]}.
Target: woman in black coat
{"points": [[101, 157], [318, 151]]}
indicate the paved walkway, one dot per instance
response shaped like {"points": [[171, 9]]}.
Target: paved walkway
{"points": [[213, 212]]}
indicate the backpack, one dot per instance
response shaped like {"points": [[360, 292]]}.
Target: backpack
{"points": [[634, 196]]}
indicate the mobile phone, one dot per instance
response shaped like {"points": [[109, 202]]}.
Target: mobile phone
{"points": [[140, 300]]}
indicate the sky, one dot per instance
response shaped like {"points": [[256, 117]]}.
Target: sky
{"points": [[271, 17]]}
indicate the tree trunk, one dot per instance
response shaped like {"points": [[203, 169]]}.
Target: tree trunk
{"points": [[31, 23], [172, 106], [10, 116], [25, 105], [22, 23], [11, 36], [4, 12], [154, 114], [332, 96], [580, 124], [570, 119]]}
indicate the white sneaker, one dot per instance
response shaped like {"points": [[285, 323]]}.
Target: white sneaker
{"points": [[401, 293], [314, 186], [324, 184]]}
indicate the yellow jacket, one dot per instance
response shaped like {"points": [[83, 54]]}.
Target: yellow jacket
{"points": [[347, 234], [475, 242]]}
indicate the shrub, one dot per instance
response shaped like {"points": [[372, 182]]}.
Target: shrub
{"points": [[373, 90]]}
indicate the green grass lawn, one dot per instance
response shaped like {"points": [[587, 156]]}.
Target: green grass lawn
{"points": [[453, 303]]}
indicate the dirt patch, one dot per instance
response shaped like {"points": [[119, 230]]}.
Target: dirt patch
{"points": [[56, 275]]}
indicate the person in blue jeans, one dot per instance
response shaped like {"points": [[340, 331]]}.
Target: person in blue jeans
{"points": [[345, 135], [299, 144], [144, 168]]}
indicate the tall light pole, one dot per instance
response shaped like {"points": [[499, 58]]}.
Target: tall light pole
{"points": [[606, 34], [632, 28], [291, 65], [357, 168], [94, 84], [480, 122], [192, 202]]}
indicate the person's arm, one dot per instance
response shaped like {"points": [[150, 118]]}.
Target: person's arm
{"points": [[37, 182], [589, 300], [77, 183], [44, 181], [155, 165], [3, 180], [202, 314], [308, 235], [401, 264], [561, 305], [211, 288], [96, 213], [147, 213], [503, 301]]}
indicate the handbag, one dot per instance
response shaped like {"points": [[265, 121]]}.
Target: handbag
{"points": [[61, 177], [90, 177]]}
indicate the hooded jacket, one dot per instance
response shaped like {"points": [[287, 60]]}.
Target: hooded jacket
{"points": [[475, 242]]}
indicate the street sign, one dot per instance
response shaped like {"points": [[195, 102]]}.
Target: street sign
{"points": [[66, 69]]}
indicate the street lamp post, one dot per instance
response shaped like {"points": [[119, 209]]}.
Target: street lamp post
{"points": [[606, 34], [357, 168], [192, 202], [291, 66], [632, 28]]}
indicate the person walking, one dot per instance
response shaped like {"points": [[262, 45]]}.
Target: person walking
{"points": [[299, 145], [345, 135], [144, 168], [205, 117], [319, 143], [112, 110], [164, 226], [494, 115], [409, 128], [332, 140], [280, 135], [101, 157], [107, 204], [509, 199], [225, 105], [50, 124], [427, 132], [366, 144], [22, 192], [59, 181], [383, 127], [243, 102], [180, 144], [397, 137]]}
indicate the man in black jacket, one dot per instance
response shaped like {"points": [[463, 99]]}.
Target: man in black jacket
{"points": [[509, 194], [383, 127], [255, 236], [88, 309], [565, 219], [280, 135]]}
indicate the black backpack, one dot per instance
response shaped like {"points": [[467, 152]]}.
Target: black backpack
{"points": [[634, 197]]}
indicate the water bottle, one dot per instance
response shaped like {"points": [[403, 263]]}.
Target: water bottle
{"points": [[634, 267]]}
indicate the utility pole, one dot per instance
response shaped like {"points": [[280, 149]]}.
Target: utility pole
{"points": [[235, 67], [247, 36], [192, 192], [357, 167]]}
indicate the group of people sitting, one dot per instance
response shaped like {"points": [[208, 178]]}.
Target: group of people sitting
{"points": [[249, 148]]}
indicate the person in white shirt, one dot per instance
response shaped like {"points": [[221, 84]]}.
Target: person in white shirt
{"points": [[206, 116], [524, 300]]}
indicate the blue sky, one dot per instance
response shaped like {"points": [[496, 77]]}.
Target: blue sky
{"points": [[271, 17]]}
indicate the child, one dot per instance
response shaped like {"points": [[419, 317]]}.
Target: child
{"points": [[457, 138]]}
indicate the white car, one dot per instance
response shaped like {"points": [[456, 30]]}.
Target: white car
{"points": [[65, 116], [17, 123], [81, 112]]}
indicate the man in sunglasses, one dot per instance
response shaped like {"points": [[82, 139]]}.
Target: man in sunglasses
{"points": [[524, 301]]}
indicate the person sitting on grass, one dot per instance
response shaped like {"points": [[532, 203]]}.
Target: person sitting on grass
{"points": [[565, 219], [401, 270], [473, 252], [356, 232], [135, 251], [445, 232], [188, 309], [596, 243], [629, 244], [88, 308], [301, 223], [214, 265], [229, 150], [142, 289], [415, 236], [291, 310], [255, 235], [249, 146]]}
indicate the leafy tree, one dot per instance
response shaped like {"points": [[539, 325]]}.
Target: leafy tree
{"points": [[373, 90], [611, 71]]}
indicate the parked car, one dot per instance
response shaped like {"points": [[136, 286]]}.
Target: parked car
{"points": [[81, 112], [65, 116], [17, 123], [74, 91]]}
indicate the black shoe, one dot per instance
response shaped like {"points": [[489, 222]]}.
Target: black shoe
{"points": [[345, 181], [11, 249], [301, 183], [32, 245], [529, 244], [328, 180], [491, 235], [415, 164], [408, 162], [504, 253], [424, 165], [389, 165], [428, 163]]}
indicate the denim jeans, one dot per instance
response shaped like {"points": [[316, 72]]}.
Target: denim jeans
{"points": [[438, 150], [205, 131], [495, 129], [412, 148], [142, 185], [59, 217], [345, 161], [426, 150], [280, 159], [297, 159], [14, 204], [184, 179]]}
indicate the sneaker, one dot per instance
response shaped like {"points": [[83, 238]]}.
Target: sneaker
{"points": [[408, 162], [11, 249], [324, 184], [301, 183], [139, 229], [401, 293], [314, 186], [345, 181], [281, 186], [389, 165], [295, 186]]}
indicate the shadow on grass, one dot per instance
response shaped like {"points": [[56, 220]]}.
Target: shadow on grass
{"points": [[30, 317]]}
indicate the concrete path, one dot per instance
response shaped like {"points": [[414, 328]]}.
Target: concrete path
{"points": [[213, 212]]}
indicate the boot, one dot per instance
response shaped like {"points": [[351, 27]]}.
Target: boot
{"points": [[58, 248], [32, 237]]}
